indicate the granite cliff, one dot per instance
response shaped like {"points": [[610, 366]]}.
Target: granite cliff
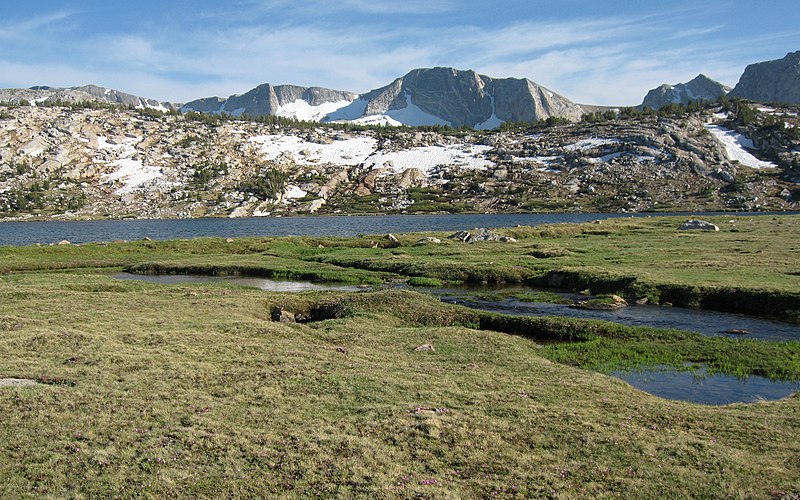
{"points": [[771, 81]]}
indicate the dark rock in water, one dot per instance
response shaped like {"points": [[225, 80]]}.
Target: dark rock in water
{"points": [[698, 225], [281, 315], [609, 303]]}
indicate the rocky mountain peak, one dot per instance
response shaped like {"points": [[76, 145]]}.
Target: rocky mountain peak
{"points": [[700, 87], [771, 81], [441, 95]]}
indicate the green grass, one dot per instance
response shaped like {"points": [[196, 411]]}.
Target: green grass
{"points": [[751, 265], [191, 390], [160, 399]]}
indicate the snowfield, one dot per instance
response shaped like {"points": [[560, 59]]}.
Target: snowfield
{"points": [[362, 150], [592, 143], [736, 146], [124, 150], [346, 152], [301, 110], [427, 158], [133, 174], [293, 193]]}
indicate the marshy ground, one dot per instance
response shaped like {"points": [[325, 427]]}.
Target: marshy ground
{"points": [[193, 390]]}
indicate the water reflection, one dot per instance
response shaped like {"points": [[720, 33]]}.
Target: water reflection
{"points": [[269, 285], [701, 387], [705, 322]]}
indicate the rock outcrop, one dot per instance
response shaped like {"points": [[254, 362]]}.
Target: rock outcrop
{"points": [[700, 88], [698, 225], [65, 162], [771, 81]]}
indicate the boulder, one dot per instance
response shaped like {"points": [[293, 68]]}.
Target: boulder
{"points": [[428, 240], [281, 315], [605, 303], [698, 225], [460, 235], [480, 234]]}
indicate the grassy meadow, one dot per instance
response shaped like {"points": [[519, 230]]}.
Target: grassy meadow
{"points": [[193, 391]]}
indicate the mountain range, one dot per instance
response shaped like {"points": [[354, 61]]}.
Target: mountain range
{"points": [[437, 96], [430, 96]]}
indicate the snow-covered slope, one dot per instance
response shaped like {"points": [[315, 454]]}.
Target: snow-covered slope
{"points": [[364, 151], [736, 147]]}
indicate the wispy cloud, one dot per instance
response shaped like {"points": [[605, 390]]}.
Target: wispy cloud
{"points": [[21, 29], [610, 59]]}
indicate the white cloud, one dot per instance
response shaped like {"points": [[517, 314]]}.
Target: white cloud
{"points": [[600, 60]]}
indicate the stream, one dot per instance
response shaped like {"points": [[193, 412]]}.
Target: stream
{"points": [[697, 386]]}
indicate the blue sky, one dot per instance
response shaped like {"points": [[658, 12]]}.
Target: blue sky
{"points": [[597, 52]]}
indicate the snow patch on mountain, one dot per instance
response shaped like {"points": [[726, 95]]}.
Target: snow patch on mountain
{"points": [[736, 146], [301, 110], [413, 115], [427, 158], [352, 111], [293, 193], [342, 152], [591, 143], [132, 173], [377, 120], [493, 122], [362, 150]]}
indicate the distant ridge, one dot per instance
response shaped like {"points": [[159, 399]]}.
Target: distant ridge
{"points": [[427, 96], [700, 88], [45, 94], [282, 100]]}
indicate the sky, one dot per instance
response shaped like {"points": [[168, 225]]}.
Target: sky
{"points": [[608, 52]]}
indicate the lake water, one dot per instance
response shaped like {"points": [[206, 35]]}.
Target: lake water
{"points": [[30, 233]]}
